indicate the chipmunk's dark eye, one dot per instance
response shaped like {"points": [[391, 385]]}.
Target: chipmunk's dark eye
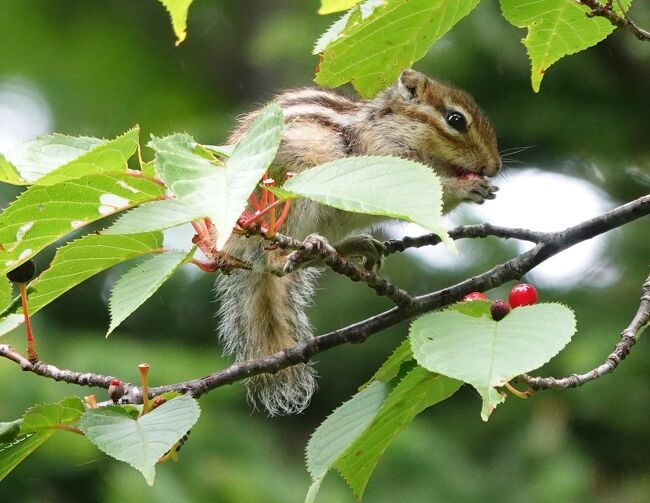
{"points": [[457, 121]]}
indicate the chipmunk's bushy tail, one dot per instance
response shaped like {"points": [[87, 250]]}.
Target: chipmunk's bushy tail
{"points": [[261, 314]]}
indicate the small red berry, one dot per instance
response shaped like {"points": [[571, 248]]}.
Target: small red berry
{"points": [[475, 296], [522, 295], [499, 309], [116, 390]]}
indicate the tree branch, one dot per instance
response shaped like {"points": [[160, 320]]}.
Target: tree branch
{"points": [[548, 244], [621, 350], [606, 11]]}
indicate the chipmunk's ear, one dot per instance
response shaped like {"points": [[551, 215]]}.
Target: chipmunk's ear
{"points": [[411, 84]]}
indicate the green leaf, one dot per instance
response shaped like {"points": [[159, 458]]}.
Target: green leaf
{"points": [[556, 28], [372, 43], [6, 292], [487, 354], [342, 427], [74, 263], [386, 186], [49, 416], [9, 173], [155, 216], [141, 282], [354, 437], [177, 10], [9, 431], [221, 150], [13, 453], [143, 441], [211, 188], [418, 390], [55, 158], [41, 215], [330, 6]]}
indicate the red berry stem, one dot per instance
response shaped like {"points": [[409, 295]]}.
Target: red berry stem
{"points": [[32, 353], [283, 215], [258, 215], [144, 376]]}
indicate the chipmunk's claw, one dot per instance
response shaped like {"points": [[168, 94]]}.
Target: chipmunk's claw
{"points": [[314, 244], [363, 246]]}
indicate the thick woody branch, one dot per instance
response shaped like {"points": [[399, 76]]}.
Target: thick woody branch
{"points": [[621, 350], [548, 244], [605, 10]]}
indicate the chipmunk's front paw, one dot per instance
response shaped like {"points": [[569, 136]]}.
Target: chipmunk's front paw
{"points": [[313, 245], [469, 188]]}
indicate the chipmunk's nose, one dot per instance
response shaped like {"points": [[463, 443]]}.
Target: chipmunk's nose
{"points": [[491, 168]]}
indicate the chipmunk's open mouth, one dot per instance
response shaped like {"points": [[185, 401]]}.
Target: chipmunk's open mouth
{"points": [[462, 172]]}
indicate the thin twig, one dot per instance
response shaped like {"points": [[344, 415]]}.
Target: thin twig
{"points": [[605, 10], [342, 265], [621, 350]]}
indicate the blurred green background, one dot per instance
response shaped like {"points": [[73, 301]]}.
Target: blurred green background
{"points": [[98, 68]]}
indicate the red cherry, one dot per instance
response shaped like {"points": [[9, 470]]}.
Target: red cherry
{"points": [[522, 295], [475, 296], [499, 309]]}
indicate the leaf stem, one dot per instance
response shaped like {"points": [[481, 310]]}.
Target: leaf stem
{"points": [[32, 353], [517, 393]]}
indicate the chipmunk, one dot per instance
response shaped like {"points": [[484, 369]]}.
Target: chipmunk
{"points": [[418, 118]]}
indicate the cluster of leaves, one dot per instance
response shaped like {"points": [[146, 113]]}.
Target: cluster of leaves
{"points": [[77, 181], [125, 432], [375, 39], [443, 350], [74, 182]]}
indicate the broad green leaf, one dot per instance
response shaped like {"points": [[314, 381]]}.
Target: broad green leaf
{"points": [[141, 282], [350, 18], [9, 431], [330, 6], [487, 354], [208, 186], [6, 292], [418, 390], [354, 437], [376, 40], [386, 186], [13, 453], [177, 10], [342, 427], [41, 215], [556, 28], [49, 416], [74, 263], [55, 158], [141, 442], [155, 216]]}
